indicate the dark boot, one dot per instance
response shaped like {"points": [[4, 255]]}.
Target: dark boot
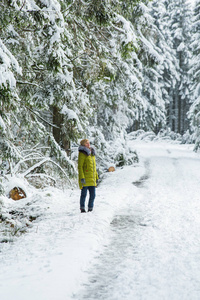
{"points": [[83, 210], [90, 209]]}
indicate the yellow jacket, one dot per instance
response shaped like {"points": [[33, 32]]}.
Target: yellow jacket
{"points": [[87, 167]]}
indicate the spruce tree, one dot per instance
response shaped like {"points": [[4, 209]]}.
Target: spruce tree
{"points": [[151, 57], [33, 33], [9, 100], [177, 28], [194, 112]]}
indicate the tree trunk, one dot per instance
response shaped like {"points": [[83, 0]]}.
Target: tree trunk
{"points": [[60, 138]]}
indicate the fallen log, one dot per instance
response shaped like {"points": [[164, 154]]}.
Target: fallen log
{"points": [[17, 193], [111, 169]]}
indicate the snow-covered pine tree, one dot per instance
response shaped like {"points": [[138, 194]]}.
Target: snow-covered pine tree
{"points": [[88, 68], [105, 50], [125, 64], [177, 28], [33, 34], [9, 100], [194, 112], [168, 71], [184, 58], [151, 58]]}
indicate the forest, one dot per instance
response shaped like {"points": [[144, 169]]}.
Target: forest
{"points": [[99, 69]]}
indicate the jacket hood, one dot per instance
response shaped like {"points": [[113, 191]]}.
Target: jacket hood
{"points": [[87, 151]]}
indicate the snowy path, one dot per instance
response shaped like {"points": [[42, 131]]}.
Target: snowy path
{"points": [[154, 252], [142, 241]]}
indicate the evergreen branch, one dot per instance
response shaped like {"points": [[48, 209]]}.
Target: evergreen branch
{"points": [[36, 166], [29, 30], [25, 174], [117, 28], [69, 6], [30, 83], [104, 46], [42, 175], [96, 27], [40, 10], [75, 57], [16, 167], [86, 37], [37, 115], [23, 5]]}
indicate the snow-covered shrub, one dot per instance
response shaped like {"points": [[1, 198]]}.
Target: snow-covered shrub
{"points": [[196, 138], [135, 134], [168, 134], [163, 134], [122, 154], [148, 136], [16, 217], [38, 167], [126, 158], [13, 223], [142, 135], [113, 153], [187, 138]]}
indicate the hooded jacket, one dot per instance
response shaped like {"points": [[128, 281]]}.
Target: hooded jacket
{"points": [[87, 166]]}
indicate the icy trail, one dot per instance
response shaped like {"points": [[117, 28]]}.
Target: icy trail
{"points": [[141, 242]]}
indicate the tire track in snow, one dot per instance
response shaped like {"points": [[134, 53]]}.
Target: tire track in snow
{"points": [[140, 183]]}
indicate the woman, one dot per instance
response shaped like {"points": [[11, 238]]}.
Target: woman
{"points": [[88, 176]]}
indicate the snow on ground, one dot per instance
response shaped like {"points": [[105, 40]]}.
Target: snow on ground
{"points": [[141, 242]]}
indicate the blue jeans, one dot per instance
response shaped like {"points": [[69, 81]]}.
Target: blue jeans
{"points": [[84, 194]]}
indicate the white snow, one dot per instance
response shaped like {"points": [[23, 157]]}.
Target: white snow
{"points": [[156, 219], [14, 181], [69, 113], [2, 124], [192, 2]]}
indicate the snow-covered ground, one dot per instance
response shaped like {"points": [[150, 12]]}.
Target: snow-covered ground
{"points": [[141, 242]]}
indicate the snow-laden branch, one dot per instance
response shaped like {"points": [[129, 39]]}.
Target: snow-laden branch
{"points": [[37, 114], [47, 159], [30, 83], [69, 6], [118, 29], [41, 175], [23, 5], [15, 169]]}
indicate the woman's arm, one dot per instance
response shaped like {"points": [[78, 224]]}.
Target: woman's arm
{"points": [[81, 159]]}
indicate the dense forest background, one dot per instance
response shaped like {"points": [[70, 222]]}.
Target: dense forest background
{"points": [[100, 69]]}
